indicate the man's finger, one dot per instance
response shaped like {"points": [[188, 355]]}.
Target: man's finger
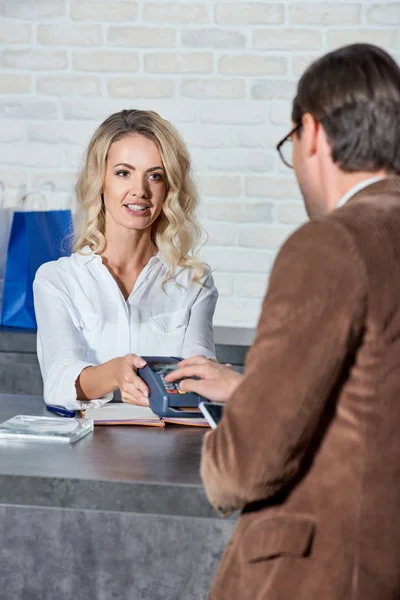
{"points": [[208, 388], [199, 359], [199, 370]]}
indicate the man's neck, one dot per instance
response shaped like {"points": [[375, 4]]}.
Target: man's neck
{"points": [[345, 182]]}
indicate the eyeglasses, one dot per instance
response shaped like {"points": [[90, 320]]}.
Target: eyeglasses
{"points": [[285, 148]]}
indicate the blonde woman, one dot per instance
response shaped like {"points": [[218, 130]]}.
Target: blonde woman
{"points": [[133, 286]]}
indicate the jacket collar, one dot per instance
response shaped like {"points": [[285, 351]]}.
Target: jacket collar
{"points": [[388, 185]]}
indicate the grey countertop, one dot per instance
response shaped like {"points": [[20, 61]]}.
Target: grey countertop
{"points": [[23, 340], [115, 468]]}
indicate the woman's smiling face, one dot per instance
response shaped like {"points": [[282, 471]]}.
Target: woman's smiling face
{"points": [[135, 182]]}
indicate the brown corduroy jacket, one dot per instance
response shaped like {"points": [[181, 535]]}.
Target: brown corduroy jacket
{"points": [[309, 445]]}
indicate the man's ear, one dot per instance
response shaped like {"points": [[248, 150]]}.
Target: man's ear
{"points": [[309, 134]]}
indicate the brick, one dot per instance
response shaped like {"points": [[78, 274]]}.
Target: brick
{"points": [[219, 185], [249, 13], [220, 236], [237, 312], [272, 89], [119, 10], [74, 156], [184, 111], [69, 86], [70, 35], [383, 14], [287, 39], [315, 13], [90, 110], [103, 61], [235, 113], [11, 178], [264, 237], [224, 283], [14, 83], [60, 132], [31, 155], [251, 64], [61, 180], [29, 10], [142, 37], [159, 62], [34, 59], [213, 88], [212, 38], [301, 62], [274, 188], [387, 38], [99, 109], [260, 137], [237, 260], [16, 109], [240, 212], [292, 213], [15, 33], [280, 113], [175, 12], [140, 87], [12, 131], [251, 286], [207, 136], [234, 160]]}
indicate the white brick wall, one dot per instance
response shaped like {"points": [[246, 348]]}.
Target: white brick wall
{"points": [[223, 71]]}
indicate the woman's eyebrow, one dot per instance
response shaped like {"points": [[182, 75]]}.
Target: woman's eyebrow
{"points": [[128, 166]]}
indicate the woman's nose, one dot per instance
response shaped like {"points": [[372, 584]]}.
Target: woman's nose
{"points": [[138, 189]]}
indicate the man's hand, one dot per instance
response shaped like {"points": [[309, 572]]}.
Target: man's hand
{"points": [[215, 381]]}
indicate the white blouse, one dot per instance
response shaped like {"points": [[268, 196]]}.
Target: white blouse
{"points": [[83, 319]]}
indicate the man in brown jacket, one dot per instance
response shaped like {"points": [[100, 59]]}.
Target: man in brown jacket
{"points": [[309, 444]]}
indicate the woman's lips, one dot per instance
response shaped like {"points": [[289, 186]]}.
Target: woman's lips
{"points": [[135, 210]]}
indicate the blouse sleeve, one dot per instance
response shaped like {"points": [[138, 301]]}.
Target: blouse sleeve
{"points": [[199, 337], [60, 347]]}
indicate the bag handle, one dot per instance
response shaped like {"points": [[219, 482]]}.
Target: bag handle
{"points": [[37, 200], [41, 199]]}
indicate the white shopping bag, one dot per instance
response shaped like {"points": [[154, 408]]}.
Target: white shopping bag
{"points": [[6, 216]]}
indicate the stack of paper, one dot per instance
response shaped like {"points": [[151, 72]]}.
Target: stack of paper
{"points": [[120, 413]]}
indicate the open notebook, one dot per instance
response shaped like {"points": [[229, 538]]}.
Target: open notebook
{"points": [[120, 413]]}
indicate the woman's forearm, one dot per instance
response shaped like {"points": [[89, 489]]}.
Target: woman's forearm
{"points": [[96, 382]]}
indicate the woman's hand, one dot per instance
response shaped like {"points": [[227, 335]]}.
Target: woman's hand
{"points": [[214, 381], [133, 388]]}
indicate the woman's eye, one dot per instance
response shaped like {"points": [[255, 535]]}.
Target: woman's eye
{"points": [[156, 177], [122, 173]]}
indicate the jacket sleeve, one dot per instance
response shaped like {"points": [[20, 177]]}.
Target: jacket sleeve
{"points": [[310, 323]]}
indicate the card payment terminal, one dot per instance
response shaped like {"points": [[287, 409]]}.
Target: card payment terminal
{"points": [[166, 399]]}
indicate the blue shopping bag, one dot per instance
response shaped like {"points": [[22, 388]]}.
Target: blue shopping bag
{"points": [[36, 237]]}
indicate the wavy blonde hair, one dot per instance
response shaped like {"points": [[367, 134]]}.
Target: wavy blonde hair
{"points": [[176, 232]]}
